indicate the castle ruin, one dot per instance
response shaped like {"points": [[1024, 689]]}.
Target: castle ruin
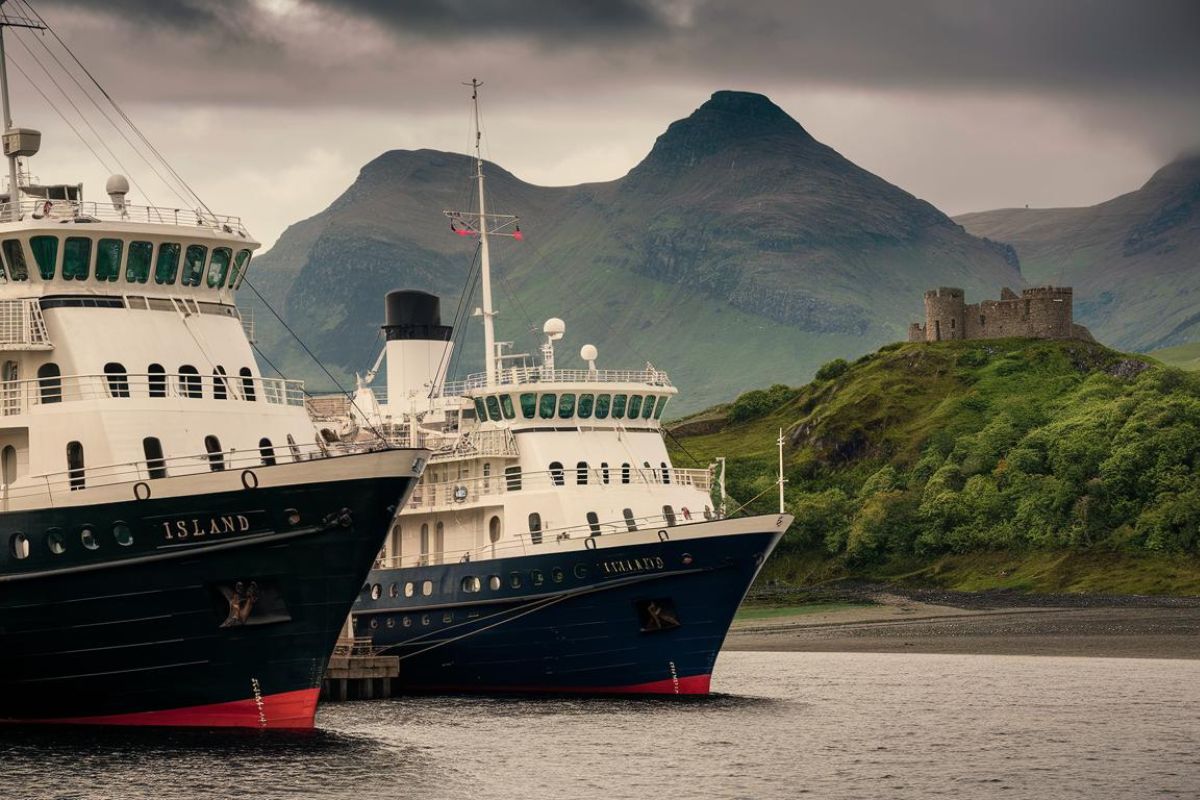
{"points": [[1044, 312]]}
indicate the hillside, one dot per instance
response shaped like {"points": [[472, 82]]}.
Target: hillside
{"points": [[737, 238], [1184, 356], [1057, 466], [1132, 259]]}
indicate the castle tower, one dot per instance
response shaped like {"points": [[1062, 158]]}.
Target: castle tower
{"points": [[945, 314]]}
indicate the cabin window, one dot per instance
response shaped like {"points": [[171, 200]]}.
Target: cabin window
{"points": [[662, 403], [487, 475], [247, 383], [157, 380], [216, 456], [547, 405], [193, 264], [424, 560], [480, 409], [630, 522], [493, 407], [494, 530], [220, 384], [602, 404], [426, 589], [648, 410], [669, 516], [471, 584], [556, 473], [240, 263], [604, 472], [409, 589], [666, 473], [535, 528], [293, 447], [266, 451], [156, 466], [137, 263], [118, 379], [618, 410], [75, 470], [122, 534], [87, 535], [581, 473], [56, 541], [593, 523], [189, 381], [77, 258], [49, 383], [556, 574], [14, 260], [494, 582], [512, 479], [506, 405], [439, 541], [8, 464], [536, 577], [624, 473], [218, 267], [108, 259], [528, 405], [566, 406], [514, 580], [45, 253], [635, 406], [650, 474], [18, 544], [584, 410], [167, 265]]}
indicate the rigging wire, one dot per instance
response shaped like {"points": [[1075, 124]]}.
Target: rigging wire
{"points": [[58, 111]]}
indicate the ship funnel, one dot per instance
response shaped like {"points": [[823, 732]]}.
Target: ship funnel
{"points": [[117, 186], [418, 346]]}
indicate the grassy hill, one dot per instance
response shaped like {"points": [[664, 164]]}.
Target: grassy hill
{"points": [[1184, 356], [1028, 465]]}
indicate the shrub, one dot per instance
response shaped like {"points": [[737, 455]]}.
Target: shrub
{"points": [[833, 369]]}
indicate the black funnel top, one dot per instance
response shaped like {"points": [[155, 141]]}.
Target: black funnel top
{"points": [[413, 314]]}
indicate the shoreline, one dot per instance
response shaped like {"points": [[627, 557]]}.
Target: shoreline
{"points": [[976, 624]]}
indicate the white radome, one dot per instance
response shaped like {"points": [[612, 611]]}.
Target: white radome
{"points": [[554, 328], [588, 352]]}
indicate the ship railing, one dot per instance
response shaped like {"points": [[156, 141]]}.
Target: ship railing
{"points": [[91, 211], [525, 375], [459, 492], [22, 326], [18, 397]]}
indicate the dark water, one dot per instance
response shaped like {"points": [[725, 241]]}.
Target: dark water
{"points": [[782, 725]]}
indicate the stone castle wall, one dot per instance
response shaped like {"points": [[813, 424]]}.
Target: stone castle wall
{"points": [[1045, 312]]}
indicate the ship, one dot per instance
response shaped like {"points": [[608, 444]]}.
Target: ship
{"points": [[178, 546], [552, 545]]}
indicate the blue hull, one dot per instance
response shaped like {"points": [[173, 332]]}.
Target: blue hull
{"points": [[645, 618]]}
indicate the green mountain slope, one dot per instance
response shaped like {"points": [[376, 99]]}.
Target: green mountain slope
{"points": [[1183, 356], [1132, 259], [1005, 463], [738, 239]]}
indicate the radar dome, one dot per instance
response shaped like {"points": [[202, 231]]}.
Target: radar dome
{"points": [[554, 328], [588, 352], [116, 184]]}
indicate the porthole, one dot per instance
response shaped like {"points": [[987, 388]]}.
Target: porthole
{"points": [[470, 584], [374, 623], [581, 571], [88, 537], [409, 589], [391, 622], [406, 621], [56, 541], [19, 546], [556, 574], [536, 577], [494, 582], [424, 619], [376, 592], [426, 588], [122, 534], [447, 616], [393, 590], [514, 580]]}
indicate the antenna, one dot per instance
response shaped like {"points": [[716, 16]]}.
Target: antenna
{"points": [[16, 142], [782, 480]]}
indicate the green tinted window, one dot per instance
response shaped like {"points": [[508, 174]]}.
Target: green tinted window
{"points": [[566, 406], [193, 264], [528, 405], [585, 406], [662, 402], [45, 253], [239, 268], [649, 408], [167, 265], [618, 406], [635, 406], [77, 258], [602, 403], [506, 405], [546, 407], [108, 259], [137, 265], [14, 259], [493, 408], [218, 267], [480, 409]]}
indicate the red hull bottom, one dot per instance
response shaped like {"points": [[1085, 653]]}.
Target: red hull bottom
{"points": [[288, 710], [692, 685]]}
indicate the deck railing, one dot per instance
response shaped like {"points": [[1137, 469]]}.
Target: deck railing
{"points": [[87, 211], [525, 375], [22, 326]]}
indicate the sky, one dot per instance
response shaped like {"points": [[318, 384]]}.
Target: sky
{"points": [[268, 108]]}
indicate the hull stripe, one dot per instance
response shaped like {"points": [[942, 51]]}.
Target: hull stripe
{"points": [[284, 710]]}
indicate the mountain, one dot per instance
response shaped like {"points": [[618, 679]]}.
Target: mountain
{"points": [[740, 252], [1052, 466], [1132, 259]]}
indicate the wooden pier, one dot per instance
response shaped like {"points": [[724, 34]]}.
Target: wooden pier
{"points": [[355, 672]]}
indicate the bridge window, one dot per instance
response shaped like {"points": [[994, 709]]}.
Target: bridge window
{"points": [[556, 473], [157, 380], [535, 528], [602, 404], [45, 253], [547, 405], [669, 516], [156, 466], [619, 401], [77, 258], [108, 259], [581, 473], [266, 451], [662, 403], [635, 406], [604, 472], [649, 408], [506, 405], [593, 523], [118, 379], [630, 522], [480, 409], [240, 263], [528, 405], [193, 264], [14, 260], [167, 265], [566, 406], [493, 407], [247, 383], [137, 263], [666, 473], [75, 471], [189, 381], [218, 267], [512, 479], [49, 383], [624, 473], [216, 456], [585, 406], [220, 384]]}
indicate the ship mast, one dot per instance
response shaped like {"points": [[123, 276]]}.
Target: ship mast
{"points": [[14, 189]]}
